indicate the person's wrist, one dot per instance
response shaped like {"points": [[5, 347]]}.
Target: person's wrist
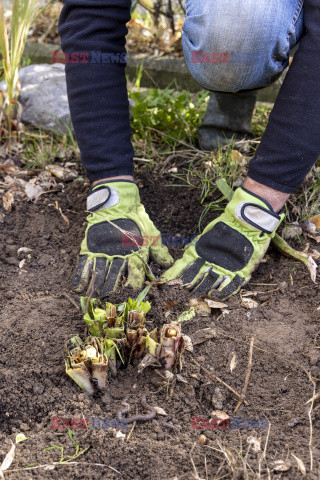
{"points": [[274, 197], [109, 179]]}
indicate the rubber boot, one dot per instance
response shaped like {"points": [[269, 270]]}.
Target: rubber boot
{"points": [[227, 120]]}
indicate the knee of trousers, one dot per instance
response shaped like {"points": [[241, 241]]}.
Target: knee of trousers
{"points": [[231, 56]]}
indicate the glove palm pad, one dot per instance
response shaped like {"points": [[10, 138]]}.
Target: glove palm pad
{"points": [[118, 240]]}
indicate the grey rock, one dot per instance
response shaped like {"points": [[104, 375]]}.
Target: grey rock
{"points": [[43, 97]]}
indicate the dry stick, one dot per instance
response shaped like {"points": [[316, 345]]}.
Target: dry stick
{"points": [[310, 422], [59, 464], [64, 294], [91, 291], [217, 379], [130, 433], [246, 382]]}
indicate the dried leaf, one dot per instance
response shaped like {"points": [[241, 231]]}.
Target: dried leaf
{"points": [[170, 305], [148, 361], [175, 281], [249, 294], [8, 459], [220, 415], [300, 463], [316, 220], [237, 157], [255, 443], [8, 201], [249, 303], [201, 336], [160, 411], [213, 304], [181, 379], [187, 343], [233, 362], [33, 192], [305, 258], [64, 218], [21, 264], [24, 250], [281, 466], [61, 173]]}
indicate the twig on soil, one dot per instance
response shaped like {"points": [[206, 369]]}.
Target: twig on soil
{"points": [[93, 279], [64, 294], [246, 382], [218, 379], [59, 464], [310, 421], [264, 453], [130, 433], [196, 474]]}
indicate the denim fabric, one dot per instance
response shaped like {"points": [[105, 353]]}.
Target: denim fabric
{"points": [[235, 45]]}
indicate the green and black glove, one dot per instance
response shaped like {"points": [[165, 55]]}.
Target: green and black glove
{"points": [[220, 261], [118, 241]]}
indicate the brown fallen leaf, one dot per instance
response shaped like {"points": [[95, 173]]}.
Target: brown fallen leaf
{"points": [[281, 466], [170, 305], [237, 157], [160, 411], [249, 303], [316, 220], [300, 464], [8, 201], [201, 336], [255, 443], [33, 192], [233, 362], [213, 304]]}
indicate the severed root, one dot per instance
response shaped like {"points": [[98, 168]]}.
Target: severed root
{"points": [[303, 257]]}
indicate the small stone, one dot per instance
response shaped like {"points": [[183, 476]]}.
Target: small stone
{"points": [[217, 399], [203, 440], [283, 286]]}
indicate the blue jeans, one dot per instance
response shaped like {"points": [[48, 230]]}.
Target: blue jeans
{"points": [[235, 45]]}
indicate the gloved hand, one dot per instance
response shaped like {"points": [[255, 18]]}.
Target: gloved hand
{"points": [[220, 261], [118, 240]]}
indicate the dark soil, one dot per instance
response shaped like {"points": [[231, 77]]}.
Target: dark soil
{"points": [[37, 317]]}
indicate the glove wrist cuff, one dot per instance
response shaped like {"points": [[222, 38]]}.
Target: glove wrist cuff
{"points": [[102, 198], [109, 194], [255, 212]]}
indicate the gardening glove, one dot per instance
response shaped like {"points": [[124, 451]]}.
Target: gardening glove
{"points": [[118, 240], [220, 261]]}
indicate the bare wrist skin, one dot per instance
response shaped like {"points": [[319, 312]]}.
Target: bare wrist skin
{"points": [[108, 179], [274, 197]]}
